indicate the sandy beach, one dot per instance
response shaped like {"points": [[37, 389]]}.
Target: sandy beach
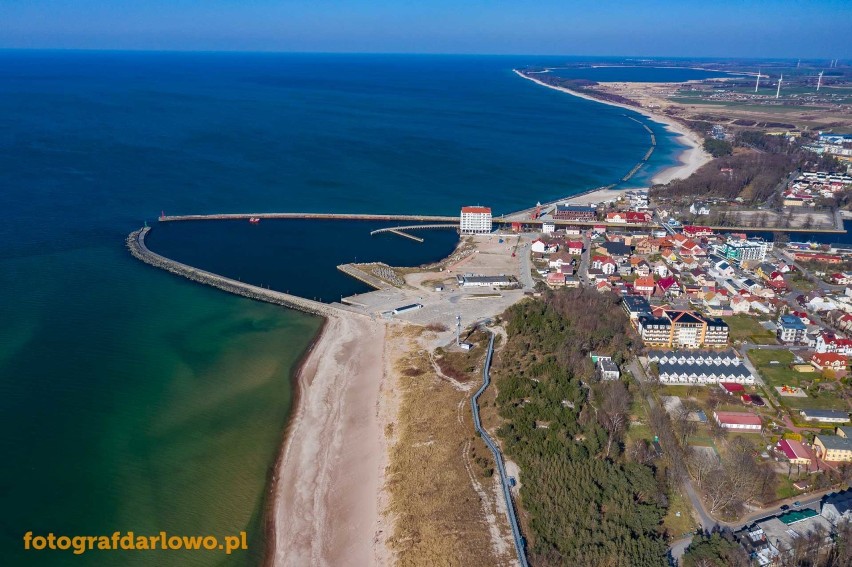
{"points": [[692, 158], [325, 509]]}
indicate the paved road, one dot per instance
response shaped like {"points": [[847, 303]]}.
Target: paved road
{"points": [[677, 549], [583, 271], [523, 251]]}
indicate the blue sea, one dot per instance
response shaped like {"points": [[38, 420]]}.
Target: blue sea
{"points": [[134, 400]]}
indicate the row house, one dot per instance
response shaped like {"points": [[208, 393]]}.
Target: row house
{"points": [[704, 374], [724, 357]]}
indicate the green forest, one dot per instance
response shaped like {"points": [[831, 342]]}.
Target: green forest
{"points": [[584, 501]]}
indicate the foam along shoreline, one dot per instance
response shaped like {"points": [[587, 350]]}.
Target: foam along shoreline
{"points": [[689, 160], [325, 509]]}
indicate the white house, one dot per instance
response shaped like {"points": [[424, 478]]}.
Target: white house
{"points": [[548, 228]]}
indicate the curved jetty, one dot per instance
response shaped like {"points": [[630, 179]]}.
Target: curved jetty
{"points": [[136, 245]]}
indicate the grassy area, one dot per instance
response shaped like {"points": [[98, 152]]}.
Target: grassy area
{"points": [[800, 282], [440, 474], [748, 328], [785, 486], [678, 521], [781, 374]]}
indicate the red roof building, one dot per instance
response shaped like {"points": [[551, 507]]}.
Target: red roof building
{"points": [[796, 452], [738, 420], [575, 247], [476, 210], [692, 230], [829, 360], [731, 387]]}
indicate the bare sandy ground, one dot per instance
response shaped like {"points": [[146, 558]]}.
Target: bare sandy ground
{"points": [[325, 505], [692, 158]]}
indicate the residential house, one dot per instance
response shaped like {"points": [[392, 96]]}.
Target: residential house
{"points": [[699, 208], [829, 342], [832, 361], [605, 264], [643, 269], [841, 278], [575, 247], [668, 287], [555, 279], [796, 452], [837, 507], [644, 286], [607, 369], [538, 246]]}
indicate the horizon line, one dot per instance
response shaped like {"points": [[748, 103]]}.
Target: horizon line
{"points": [[398, 53]]}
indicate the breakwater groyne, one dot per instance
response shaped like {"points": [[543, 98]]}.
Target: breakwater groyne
{"points": [[315, 216], [137, 247]]}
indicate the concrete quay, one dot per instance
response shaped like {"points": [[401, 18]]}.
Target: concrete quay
{"points": [[137, 247]]}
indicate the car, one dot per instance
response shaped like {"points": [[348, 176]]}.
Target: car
{"points": [[785, 507], [796, 504], [757, 401]]}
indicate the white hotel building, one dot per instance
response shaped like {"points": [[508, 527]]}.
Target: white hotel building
{"points": [[475, 220]]}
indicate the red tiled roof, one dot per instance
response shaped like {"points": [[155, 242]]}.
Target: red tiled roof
{"points": [[828, 358], [732, 387], [476, 209]]}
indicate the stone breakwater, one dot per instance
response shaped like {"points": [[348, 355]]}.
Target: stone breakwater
{"points": [[137, 247]]}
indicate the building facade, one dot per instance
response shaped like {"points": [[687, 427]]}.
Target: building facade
{"points": [[790, 329], [475, 220], [574, 213]]}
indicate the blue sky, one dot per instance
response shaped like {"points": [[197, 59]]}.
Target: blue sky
{"points": [[745, 28]]}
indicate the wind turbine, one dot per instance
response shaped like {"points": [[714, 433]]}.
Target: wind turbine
{"points": [[819, 80], [757, 82], [778, 92]]}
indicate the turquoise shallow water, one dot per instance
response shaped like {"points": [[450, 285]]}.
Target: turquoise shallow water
{"points": [[135, 400]]}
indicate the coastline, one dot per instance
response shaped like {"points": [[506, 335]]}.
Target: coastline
{"points": [[268, 525], [324, 509], [689, 160]]}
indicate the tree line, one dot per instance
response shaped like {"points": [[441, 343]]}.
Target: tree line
{"points": [[587, 497]]}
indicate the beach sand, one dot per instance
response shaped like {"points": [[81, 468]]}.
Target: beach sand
{"points": [[692, 158], [326, 504]]}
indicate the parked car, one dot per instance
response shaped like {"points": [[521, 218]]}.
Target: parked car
{"points": [[796, 504], [757, 401]]}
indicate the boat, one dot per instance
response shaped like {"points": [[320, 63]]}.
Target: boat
{"points": [[254, 220]]}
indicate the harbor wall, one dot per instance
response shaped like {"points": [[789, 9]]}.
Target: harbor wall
{"points": [[137, 247]]}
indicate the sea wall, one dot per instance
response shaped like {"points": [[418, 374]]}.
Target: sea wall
{"points": [[137, 247]]}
